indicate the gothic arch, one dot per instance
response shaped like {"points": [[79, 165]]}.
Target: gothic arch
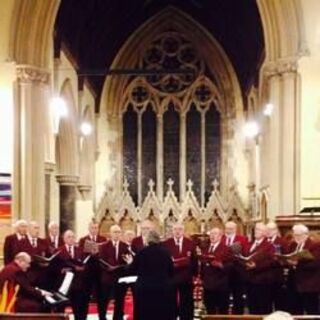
{"points": [[283, 28], [67, 138], [31, 31]]}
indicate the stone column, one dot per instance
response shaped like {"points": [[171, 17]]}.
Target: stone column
{"points": [[31, 93], [283, 151], [183, 156], [49, 193], [160, 156], [289, 139], [68, 195]]}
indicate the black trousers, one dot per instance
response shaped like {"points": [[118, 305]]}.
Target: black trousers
{"points": [[120, 292], [184, 300], [237, 290], [303, 303], [103, 300], [216, 302], [259, 298]]}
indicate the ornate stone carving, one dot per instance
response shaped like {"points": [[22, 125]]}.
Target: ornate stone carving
{"points": [[85, 191], [66, 180], [27, 73]]}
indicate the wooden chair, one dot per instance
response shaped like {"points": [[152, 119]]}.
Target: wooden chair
{"points": [[33, 316]]}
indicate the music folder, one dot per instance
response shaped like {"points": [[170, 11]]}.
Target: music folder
{"points": [[60, 296]]}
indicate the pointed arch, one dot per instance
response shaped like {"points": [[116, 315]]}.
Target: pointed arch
{"points": [[67, 138]]}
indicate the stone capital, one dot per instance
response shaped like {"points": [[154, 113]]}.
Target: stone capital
{"points": [[49, 167], [281, 67], [85, 191], [65, 179], [29, 74]]}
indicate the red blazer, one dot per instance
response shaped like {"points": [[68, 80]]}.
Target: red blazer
{"points": [[137, 244], [75, 264], [28, 299], [238, 239], [107, 253], [36, 273], [307, 273], [11, 247], [51, 245], [185, 263], [216, 277], [100, 239], [263, 257]]}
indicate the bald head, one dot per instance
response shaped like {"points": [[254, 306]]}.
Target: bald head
{"points": [[53, 229], [215, 235], [115, 232], [23, 260], [93, 228], [21, 227], [260, 231], [230, 228], [146, 227], [34, 229], [272, 229], [69, 238], [178, 230], [129, 236]]}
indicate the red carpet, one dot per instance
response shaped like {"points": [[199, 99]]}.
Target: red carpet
{"points": [[128, 307]]}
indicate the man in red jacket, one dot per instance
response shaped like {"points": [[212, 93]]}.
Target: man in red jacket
{"points": [[238, 244], [278, 287], [54, 240], [71, 258], [258, 268], [216, 262], [112, 255], [140, 242], [182, 250], [12, 242], [305, 273], [36, 246], [92, 271], [29, 298]]}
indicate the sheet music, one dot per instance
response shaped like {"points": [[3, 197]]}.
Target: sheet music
{"points": [[129, 279], [66, 283], [50, 299]]}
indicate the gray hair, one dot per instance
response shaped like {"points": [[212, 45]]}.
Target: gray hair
{"points": [[279, 315], [153, 237], [301, 228]]}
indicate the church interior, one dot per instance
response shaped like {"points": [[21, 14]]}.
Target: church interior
{"points": [[196, 112]]}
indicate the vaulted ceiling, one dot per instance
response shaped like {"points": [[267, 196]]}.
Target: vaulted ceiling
{"points": [[94, 31]]}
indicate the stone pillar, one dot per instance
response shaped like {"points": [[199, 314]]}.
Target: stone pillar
{"points": [[68, 195], [183, 156], [289, 139], [284, 134], [160, 156], [32, 92], [49, 191]]}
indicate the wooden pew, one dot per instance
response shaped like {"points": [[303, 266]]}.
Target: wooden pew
{"points": [[33, 316]]}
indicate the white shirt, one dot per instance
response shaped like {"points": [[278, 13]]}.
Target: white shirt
{"points": [[178, 243], [255, 244], [213, 247], [54, 239], [33, 241], [116, 246], [70, 250], [230, 240]]}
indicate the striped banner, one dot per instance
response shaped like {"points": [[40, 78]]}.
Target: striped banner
{"points": [[5, 195]]}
